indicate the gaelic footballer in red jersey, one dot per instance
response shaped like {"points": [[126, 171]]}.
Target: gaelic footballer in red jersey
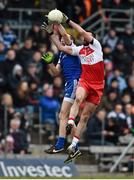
{"points": [[91, 83], [92, 77]]}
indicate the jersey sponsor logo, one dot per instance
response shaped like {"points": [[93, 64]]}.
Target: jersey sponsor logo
{"points": [[87, 55], [86, 51]]}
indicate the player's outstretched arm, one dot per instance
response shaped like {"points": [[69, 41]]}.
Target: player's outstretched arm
{"points": [[64, 34], [56, 41], [87, 35], [45, 26]]}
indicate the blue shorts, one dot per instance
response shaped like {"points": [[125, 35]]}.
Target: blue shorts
{"points": [[70, 90]]}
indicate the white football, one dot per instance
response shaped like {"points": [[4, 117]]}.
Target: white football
{"points": [[55, 16]]}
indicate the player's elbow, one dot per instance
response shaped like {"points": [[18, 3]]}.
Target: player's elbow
{"points": [[57, 73]]}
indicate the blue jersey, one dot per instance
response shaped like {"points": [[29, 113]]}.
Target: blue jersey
{"points": [[70, 65]]}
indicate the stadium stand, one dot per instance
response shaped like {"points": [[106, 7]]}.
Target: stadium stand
{"points": [[24, 78]]}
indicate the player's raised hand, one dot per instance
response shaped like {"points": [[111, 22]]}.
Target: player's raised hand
{"points": [[48, 57], [65, 19], [46, 26]]}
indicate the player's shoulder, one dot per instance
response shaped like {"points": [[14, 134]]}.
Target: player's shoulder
{"points": [[96, 43]]}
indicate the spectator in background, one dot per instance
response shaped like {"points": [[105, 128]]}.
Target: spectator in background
{"points": [[117, 74], [122, 59], [25, 53], [39, 64], [111, 132], [126, 136], [111, 39], [109, 101], [7, 36], [128, 38], [32, 74], [15, 77], [129, 116], [34, 93], [49, 109], [95, 128], [9, 62], [108, 70], [6, 102], [2, 51], [21, 96], [80, 11], [107, 56], [35, 34], [15, 46], [130, 88], [114, 85], [120, 117], [126, 98], [2, 80], [58, 88], [20, 144]]}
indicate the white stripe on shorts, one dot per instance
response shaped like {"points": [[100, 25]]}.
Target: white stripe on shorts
{"points": [[75, 82], [68, 100]]}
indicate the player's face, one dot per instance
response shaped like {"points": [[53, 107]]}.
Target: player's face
{"points": [[84, 42]]}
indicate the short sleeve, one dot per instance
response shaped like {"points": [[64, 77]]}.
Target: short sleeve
{"points": [[96, 43], [76, 50]]}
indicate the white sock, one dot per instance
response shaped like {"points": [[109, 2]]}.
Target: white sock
{"points": [[75, 141], [71, 122]]}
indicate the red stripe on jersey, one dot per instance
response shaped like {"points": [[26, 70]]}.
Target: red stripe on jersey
{"points": [[93, 73]]}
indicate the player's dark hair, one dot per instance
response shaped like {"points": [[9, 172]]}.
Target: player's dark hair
{"points": [[93, 34]]}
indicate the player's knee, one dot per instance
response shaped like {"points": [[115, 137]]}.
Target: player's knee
{"points": [[79, 99]]}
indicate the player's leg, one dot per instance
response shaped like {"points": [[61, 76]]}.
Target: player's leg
{"points": [[63, 117], [73, 149], [92, 102], [81, 95], [70, 89], [88, 110]]}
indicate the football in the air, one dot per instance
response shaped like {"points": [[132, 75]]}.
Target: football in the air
{"points": [[55, 16]]}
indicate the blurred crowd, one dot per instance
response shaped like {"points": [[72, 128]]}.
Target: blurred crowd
{"points": [[28, 92], [77, 10]]}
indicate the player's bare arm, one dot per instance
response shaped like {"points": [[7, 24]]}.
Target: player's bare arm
{"points": [[64, 34], [54, 70], [87, 35], [55, 38], [56, 41]]}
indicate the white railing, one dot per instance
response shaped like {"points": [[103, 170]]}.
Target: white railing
{"points": [[94, 23]]}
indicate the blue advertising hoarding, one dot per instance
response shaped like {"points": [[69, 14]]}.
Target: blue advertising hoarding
{"points": [[36, 168]]}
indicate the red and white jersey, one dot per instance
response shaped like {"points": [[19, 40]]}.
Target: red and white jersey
{"points": [[91, 58]]}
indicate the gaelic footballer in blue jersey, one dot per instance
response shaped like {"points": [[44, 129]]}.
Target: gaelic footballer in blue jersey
{"points": [[70, 67]]}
